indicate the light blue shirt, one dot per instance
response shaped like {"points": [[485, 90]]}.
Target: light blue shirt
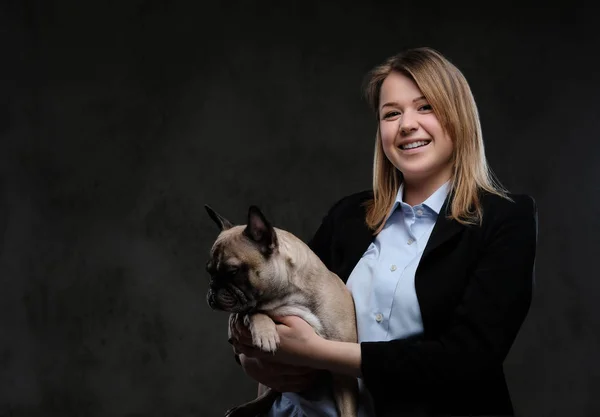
{"points": [[383, 287]]}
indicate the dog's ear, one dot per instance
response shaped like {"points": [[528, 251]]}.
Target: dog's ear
{"points": [[221, 221], [260, 231]]}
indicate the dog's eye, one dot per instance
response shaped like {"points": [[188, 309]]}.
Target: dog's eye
{"points": [[232, 271]]}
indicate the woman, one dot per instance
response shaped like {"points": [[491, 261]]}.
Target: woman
{"points": [[439, 259]]}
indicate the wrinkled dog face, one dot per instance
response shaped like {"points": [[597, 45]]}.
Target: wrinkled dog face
{"points": [[245, 265]]}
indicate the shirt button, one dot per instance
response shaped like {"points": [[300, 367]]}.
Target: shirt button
{"points": [[410, 241], [393, 268], [420, 212], [378, 317]]}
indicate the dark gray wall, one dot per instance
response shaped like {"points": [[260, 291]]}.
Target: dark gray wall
{"points": [[121, 119]]}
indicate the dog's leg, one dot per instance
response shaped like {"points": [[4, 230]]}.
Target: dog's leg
{"points": [[345, 391], [264, 332], [257, 407]]}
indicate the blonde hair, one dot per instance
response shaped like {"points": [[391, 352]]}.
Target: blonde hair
{"points": [[447, 91]]}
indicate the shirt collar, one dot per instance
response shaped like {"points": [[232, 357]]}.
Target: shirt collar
{"points": [[435, 201]]}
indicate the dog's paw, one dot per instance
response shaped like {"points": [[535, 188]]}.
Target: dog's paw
{"points": [[267, 341], [264, 334]]}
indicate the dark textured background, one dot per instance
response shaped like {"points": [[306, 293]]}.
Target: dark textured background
{"points": [[120, 119]]}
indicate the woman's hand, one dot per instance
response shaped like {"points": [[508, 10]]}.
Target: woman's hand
{"points": [[278, 376], [297, 343], [270, 370]]}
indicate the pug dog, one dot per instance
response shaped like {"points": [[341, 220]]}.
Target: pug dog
{"points": [[257, 272]]}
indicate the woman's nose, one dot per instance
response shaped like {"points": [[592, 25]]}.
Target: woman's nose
{"points": [[408, 125]]}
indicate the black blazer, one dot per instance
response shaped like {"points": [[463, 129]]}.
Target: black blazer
{"points": [[474, 286]]}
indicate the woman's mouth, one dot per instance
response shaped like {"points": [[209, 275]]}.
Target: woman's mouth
{"points": [[414, 145]]}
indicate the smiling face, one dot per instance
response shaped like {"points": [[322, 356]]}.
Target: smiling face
{"points": [[412, 137]]}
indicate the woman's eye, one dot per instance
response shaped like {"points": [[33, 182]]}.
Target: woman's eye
{"points": [[426, 107], [391, 114]]}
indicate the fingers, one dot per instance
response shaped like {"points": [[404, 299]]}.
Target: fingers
{"points": [[285, 371], [242, 330], [240, 333], [248, 350], [275, 369], [281, 378], [291, 370], [239, 336]]}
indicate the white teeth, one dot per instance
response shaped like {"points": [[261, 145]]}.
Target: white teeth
{"points": [[414, 144]]}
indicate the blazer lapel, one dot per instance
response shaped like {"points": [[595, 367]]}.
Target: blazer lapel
{"points": [[443, 230]]}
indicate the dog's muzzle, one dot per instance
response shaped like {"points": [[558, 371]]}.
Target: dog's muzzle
{"points": [[221, 299]]}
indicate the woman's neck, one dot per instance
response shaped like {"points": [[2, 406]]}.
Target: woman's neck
{"points": [[416, 192]]}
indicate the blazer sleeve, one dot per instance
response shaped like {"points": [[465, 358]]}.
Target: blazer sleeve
{"points": [[484, 325], [320, 243]]}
